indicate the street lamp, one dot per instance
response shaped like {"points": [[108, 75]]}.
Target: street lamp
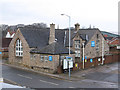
{"points": [[69, 40], [69, 30]]}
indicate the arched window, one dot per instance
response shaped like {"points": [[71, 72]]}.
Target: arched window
{"points": [[19, 48]]}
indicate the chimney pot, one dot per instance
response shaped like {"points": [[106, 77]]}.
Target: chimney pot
{"points": [[77, 26]]}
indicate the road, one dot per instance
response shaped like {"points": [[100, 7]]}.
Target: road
{"points": [[34, 80]]}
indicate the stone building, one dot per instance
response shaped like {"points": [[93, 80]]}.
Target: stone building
{"points": [[40, 49], [45, 49], [88, 36]]}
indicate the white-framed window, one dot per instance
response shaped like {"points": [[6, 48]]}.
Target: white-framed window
{"points": [[77, 44], [77, 53], [46, 58], [19, 48], [42, 58], [97, 45]]}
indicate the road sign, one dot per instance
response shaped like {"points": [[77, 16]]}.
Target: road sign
{"points": [[76, 65], [69, 58], [91, 60], [70, 64], [92, 43], [65, 64], [85, 57], [50, 58]]}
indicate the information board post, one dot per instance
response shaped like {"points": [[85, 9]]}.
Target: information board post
{"points": [[69, 61], [69, 68]]}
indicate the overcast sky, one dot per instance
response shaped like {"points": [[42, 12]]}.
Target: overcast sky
{"points": [[102, 14]]}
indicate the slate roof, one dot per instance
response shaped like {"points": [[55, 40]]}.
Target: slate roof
{"points": [[6, 42], [54, 48], [109, 38], [39, 38], [82, 33]]}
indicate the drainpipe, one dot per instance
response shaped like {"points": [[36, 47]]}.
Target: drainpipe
{"points": [[83, 56], [102, 51]]}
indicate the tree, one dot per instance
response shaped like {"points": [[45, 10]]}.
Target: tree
{"points": [[40, 25]]}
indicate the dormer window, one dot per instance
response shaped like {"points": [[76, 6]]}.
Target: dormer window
{"points": [[19, 48]]}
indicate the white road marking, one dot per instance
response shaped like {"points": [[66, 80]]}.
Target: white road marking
{"points": [[24, 76], [71, 87], [49, 82]]}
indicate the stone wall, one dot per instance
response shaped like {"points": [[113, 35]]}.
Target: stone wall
{"points": [[91, 52], [25, 59], [42, 65]]}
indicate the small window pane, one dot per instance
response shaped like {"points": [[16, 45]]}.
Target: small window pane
{"points": [[21, 54], [42, 58], [16, 48], [46, 58]]}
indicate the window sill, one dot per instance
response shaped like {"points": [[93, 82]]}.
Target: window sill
{"points": [[19, 56]]}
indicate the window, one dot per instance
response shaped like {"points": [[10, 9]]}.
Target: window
{"points": [[42, 58], [77, 44], [97, 36], [46, 58], [77, 53], [97, 45], [86, 37], [19, 48]]}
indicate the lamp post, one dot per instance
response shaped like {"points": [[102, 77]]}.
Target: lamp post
{"points": [[83, 56], [69, 40], [69, 30]]}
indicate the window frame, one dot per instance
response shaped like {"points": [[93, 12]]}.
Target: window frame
{"points": [[77, 44], [41, 58], [18, 48], [45, 58]]}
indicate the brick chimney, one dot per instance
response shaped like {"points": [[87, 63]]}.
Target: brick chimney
{"points": [[52, 33], [77, 26]]}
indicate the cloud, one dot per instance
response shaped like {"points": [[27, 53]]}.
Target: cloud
{"points": [[85, 12]]}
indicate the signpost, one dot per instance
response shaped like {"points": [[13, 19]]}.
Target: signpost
{"points": [[92, 43], [50, 58], [68, 63], [91, 60], [65, 64]]}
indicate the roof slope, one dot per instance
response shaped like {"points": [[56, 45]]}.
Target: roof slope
{"points": [[82, 33], [39, 38], [6, 42], [54, 48], [109, 34]]}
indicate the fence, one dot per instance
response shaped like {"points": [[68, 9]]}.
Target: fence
{"points": [[93, 62], [97, 61]]}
